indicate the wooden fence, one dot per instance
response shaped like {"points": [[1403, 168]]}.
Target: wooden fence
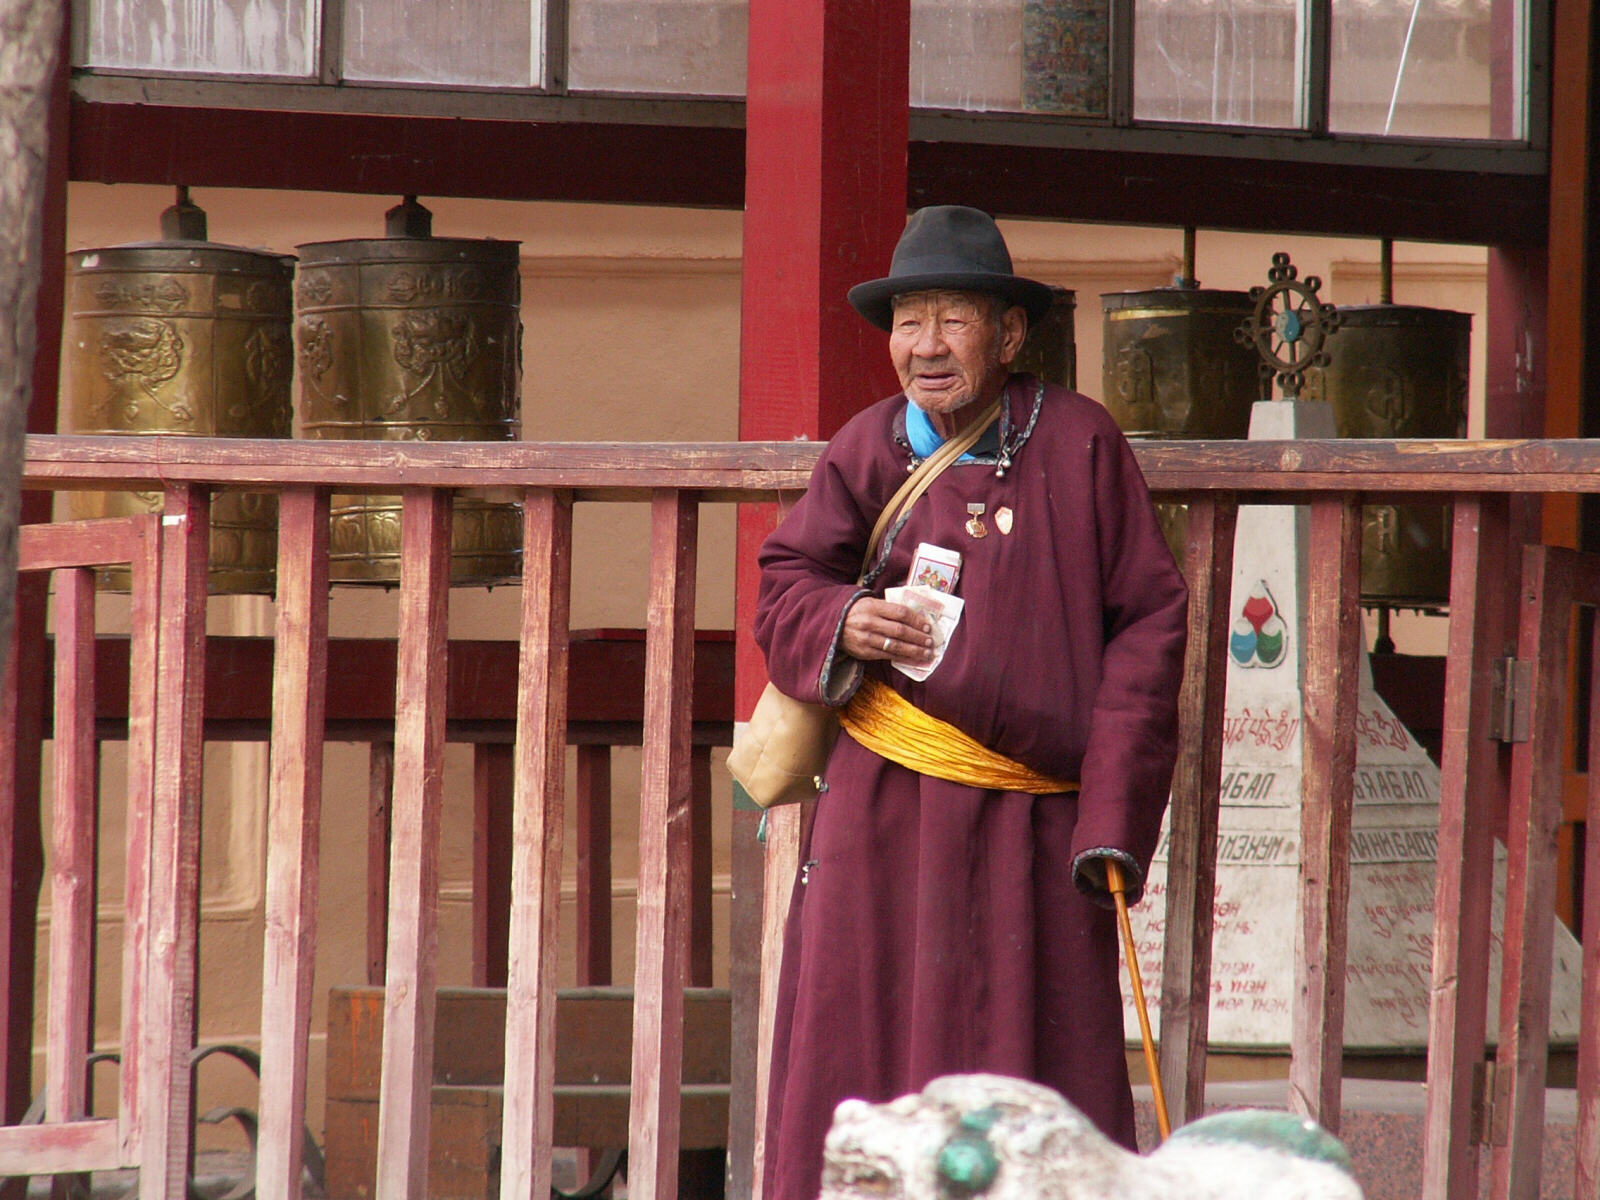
{"points": [[1485, 775]]}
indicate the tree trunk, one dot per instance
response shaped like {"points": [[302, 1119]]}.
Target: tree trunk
{"points": [[30, 40]]}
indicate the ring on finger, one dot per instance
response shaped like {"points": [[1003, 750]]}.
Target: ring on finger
{"points": [[887, 642]]}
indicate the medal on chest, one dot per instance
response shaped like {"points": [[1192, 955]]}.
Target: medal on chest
{"points": [[1002, 519], [975, 526]]}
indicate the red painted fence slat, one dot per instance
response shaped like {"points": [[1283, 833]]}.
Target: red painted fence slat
{"points": [[294, 814], [139, 816], [72, 870], [72, 852], [169, 1021], [1472, 788], [1333, 632], [1587, 1135], [1551, 579], [1196, 800], [406, 1089], [665, 852], [528, 1121], [593, 802]]}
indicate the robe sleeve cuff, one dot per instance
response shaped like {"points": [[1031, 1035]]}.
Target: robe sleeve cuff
{"points": [[1090, 877], [841, 674]]}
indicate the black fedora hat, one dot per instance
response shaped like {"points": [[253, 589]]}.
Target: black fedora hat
{"points": [[948, 247]]}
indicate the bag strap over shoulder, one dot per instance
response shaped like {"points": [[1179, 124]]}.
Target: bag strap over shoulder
{"points": [[918, 481]]}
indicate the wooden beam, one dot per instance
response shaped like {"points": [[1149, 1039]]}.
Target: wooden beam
{"points": [[528, 1120], [1472, 790], [664, 852], [407, 1088], [392, 155], [1333, 643], [709, 165], [1196, 807], [76, 543], [294, 815], [58, 1149], [174, 885], [1255, 194], [1260, 472]]}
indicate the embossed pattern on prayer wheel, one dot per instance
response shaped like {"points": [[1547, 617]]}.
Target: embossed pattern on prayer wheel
{"points": [[412, 339], [1051, 348], [1171, 368], [187, 339], [1400, 371]]}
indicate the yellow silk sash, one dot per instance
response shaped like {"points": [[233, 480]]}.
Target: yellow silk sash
{"points": [[889, 725]]}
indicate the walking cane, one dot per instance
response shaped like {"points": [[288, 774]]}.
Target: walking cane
{"points": [[1118, 889]]}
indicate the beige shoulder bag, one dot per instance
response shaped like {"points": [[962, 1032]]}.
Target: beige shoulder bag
{"points": [[782, 752]]}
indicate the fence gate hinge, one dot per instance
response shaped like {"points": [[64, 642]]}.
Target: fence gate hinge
{"points": [[1509, 700]]}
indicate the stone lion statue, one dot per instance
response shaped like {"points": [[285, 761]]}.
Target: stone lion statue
{"points": [[1004, 1139]]}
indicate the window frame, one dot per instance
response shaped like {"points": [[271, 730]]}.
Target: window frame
{"points": [[1314, 142]]}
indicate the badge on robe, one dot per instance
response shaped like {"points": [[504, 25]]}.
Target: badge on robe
{"points": [[1002, 519]]}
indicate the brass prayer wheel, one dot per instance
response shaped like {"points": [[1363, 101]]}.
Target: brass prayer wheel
{"points": [[412, 338], [1171, 369], [1400, 371], [1051, 348], [183, 338]]}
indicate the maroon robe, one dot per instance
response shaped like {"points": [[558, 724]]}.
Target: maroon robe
{"points": [[938, 928]]}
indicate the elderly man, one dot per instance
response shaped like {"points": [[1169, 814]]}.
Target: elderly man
{"points": [[942, 924]]}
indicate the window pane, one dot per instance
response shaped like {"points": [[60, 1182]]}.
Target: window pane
{"points": [[478, 43], [1225, 62], [692, 47], [1011, 55], [224, 37], [1417, 69]]}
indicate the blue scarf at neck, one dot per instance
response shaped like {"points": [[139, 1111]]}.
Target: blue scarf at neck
{"points": [[924, 438]]}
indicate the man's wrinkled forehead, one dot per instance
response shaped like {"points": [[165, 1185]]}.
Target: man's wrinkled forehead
{"points": [[979, 303]]}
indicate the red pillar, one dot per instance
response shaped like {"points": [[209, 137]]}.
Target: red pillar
{"points": [[825, 198], [825, 187]]}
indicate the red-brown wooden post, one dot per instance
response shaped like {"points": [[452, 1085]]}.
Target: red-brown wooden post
{"points": [[406, 1087], [1587, 1134], [174, 885], [380, 830], [139, 817], [826, 126], [1196, 801], [72, 869], [701, 943], [1544, 622], [664, 850], [22, 712], [294, 814], [1472, 789], [593, 802], [528, 1120], [1333, 642], [492, 764]]}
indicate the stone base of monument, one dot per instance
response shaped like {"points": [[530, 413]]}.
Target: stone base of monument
{"points": [[1381, 1126]]}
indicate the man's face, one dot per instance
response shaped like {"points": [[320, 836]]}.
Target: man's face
{"points": [[950, 349]]}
